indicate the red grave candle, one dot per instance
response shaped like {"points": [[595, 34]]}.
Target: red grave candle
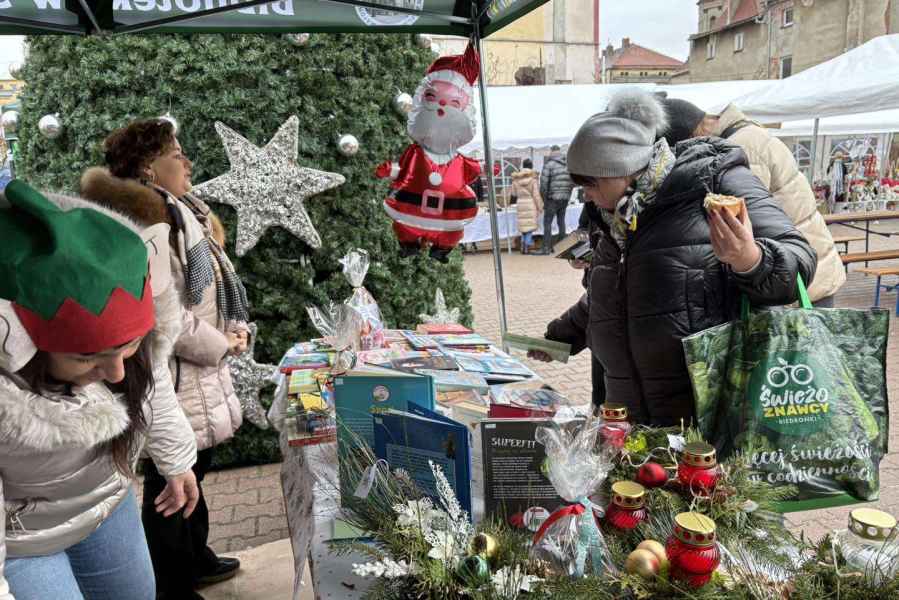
{"points": [[692, 551], [698, 468], [615, 427], [626, 510]]}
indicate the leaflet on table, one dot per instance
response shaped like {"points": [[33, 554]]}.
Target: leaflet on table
{"points": [[558, 351], [515, 487], [542, 403], [359, 391], [412, 439]]}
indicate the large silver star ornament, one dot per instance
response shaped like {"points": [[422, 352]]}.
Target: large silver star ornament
{"points": [[266, 185], [249, 377], [442, 315]]}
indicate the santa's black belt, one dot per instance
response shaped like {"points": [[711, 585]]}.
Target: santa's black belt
{"points": [[448, 203]]}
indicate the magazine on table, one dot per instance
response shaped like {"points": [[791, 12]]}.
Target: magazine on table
{"points": [[558, 351]]}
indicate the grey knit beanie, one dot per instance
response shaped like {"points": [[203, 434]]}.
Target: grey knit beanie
{"points": [[618, 142]]}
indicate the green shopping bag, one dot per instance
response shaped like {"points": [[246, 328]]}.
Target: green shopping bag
{"points": [[803, 391]]}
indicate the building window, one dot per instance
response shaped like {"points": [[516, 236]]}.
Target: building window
{"points": [[738, 42], [711, 47], [786, 67], [711, 23], [788, 17]]}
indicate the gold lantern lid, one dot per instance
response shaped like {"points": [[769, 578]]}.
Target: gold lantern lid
{"points": [[700, 454], [628, 494], [871, 524], [614, 412], [695, 529]]}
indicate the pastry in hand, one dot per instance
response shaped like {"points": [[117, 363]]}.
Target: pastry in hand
{"points": [[732, 204]]}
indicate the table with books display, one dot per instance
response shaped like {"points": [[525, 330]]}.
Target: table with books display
{"points": [[427, 397]]}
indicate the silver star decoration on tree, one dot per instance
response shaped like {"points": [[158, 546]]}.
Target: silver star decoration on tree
{"points": [[266, 185], [249, 377], [441, 314]]}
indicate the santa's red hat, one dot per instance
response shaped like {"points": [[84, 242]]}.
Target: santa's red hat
{"points": [[460, 70]]}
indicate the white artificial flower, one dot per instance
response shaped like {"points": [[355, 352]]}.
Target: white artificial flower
{"points": [[509, 582], [383, 568], [415, 513], [444, 547]]}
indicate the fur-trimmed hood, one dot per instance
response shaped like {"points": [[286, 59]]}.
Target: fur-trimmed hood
{"points": [[129, 197]]}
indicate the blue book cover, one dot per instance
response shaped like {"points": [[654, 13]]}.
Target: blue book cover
{"points": [[409, 439], [356, 395]]}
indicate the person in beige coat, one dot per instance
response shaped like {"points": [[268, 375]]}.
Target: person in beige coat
{"points": [[773, 163], [81, 394], [525, 190], [149, 178]]}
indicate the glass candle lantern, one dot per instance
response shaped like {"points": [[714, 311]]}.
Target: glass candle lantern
{"points": [[615, 427], [866, 545], [692, 551], [627, 509], [698, 467]]}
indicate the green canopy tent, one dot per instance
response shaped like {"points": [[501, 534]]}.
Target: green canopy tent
{"points": [[475, 19]]}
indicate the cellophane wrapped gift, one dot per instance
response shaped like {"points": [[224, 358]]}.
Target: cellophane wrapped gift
{"points": [[570, 542], [355, 267]]}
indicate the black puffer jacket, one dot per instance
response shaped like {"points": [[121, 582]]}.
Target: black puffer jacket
{"points": [[555, 182], [668, 283]]}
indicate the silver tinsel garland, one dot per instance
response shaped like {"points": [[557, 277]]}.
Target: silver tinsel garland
{"points": [[266, 185], [249, 377]]}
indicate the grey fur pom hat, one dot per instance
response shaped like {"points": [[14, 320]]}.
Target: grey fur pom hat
{"points": [[618, 142]]}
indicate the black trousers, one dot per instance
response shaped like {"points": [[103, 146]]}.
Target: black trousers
{"points": [[177, 545], [550, 212], [598, 381]]}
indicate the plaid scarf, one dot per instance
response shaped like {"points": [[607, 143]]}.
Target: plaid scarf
{"points": [[642, 195], [203, 260]]}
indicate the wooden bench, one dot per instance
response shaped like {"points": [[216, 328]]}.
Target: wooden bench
{"points": [[855, 257], [845, 239], [879, 273]]}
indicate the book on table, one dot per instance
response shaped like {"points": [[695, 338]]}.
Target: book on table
{"points": [[558, 351], [434, 360], [449, 381], [468, 340], [414, 439], [494, 365], [442, 328]]}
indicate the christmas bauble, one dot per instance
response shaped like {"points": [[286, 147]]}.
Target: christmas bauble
{"points": [[15, 70], [435, 179], [657, 549], [474, 569], [484, 545], [50, 126], [652, 475], [298, 39], [348, 145], [402, 103], [168, 117], [10, 122], [643, 563], [423, 40]]}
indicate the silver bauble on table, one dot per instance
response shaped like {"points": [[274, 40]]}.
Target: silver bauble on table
{"points": [[298, 39], [10, 121], [50, 126], [15, 70], [348, 145], [168, 117], [402, 103]]}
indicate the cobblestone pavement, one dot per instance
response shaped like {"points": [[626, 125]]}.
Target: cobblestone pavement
{"points": [[246, 508]]}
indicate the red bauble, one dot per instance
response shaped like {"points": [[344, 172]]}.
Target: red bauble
{"points": [[652, 475]]}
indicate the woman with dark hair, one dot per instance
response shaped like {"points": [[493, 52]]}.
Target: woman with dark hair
{"points": [[149, 178], [665, 267], [525, 190], [87, 321]]}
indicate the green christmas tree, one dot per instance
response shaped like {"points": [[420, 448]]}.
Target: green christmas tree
{"points": [[337, 84]]}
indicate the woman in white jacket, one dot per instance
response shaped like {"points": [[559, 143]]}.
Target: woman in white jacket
{"points": [[87, 321]]}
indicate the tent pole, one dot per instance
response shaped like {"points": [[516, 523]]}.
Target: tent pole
{"points": [[491, 187], [811, 173]]}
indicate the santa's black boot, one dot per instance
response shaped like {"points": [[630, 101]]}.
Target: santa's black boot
{"points": [[440, 254]]}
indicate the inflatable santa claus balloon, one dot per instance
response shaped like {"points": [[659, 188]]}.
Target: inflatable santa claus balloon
{"points": [[430, 200]]}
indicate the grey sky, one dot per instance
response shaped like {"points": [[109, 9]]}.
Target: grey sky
{"points": [[662, 25]]}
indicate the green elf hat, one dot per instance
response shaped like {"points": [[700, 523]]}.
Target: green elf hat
{"points": [[78, 280]]}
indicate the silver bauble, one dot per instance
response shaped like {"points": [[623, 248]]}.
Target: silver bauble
{"points": [[402, 103], [168, 117], [10, 122], [423, 40], [50, 126], [298, 39], [15, 70], [348, 145]]}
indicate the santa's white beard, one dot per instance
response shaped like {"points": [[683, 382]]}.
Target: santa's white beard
{"points": [[440, 135]]}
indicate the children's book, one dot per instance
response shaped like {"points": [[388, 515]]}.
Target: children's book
{"points": [[448, 381], [412, 440], [494, 366], [442, 328], [420, 341], [434, 360], [461, 340], [558, 351], [522, 404]]}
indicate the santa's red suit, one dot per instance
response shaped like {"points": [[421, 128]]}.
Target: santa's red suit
{"points": [[430, 198]]}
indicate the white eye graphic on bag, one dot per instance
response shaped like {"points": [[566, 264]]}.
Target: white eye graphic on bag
{"points": [[780, 376]]}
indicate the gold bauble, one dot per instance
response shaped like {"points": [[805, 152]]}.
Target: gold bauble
{"points": [[657, 549], [643, 563], [485, 545]]}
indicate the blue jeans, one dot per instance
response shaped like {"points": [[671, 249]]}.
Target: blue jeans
{"points": [[527, 240], [112, 563]]}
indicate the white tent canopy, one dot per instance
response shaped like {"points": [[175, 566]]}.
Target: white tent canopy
{"points": [[862, 80]]}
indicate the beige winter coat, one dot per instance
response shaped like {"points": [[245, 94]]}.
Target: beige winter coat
{"points": [[773, 163], [526, 187], [201, 375], [54, 489]]}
